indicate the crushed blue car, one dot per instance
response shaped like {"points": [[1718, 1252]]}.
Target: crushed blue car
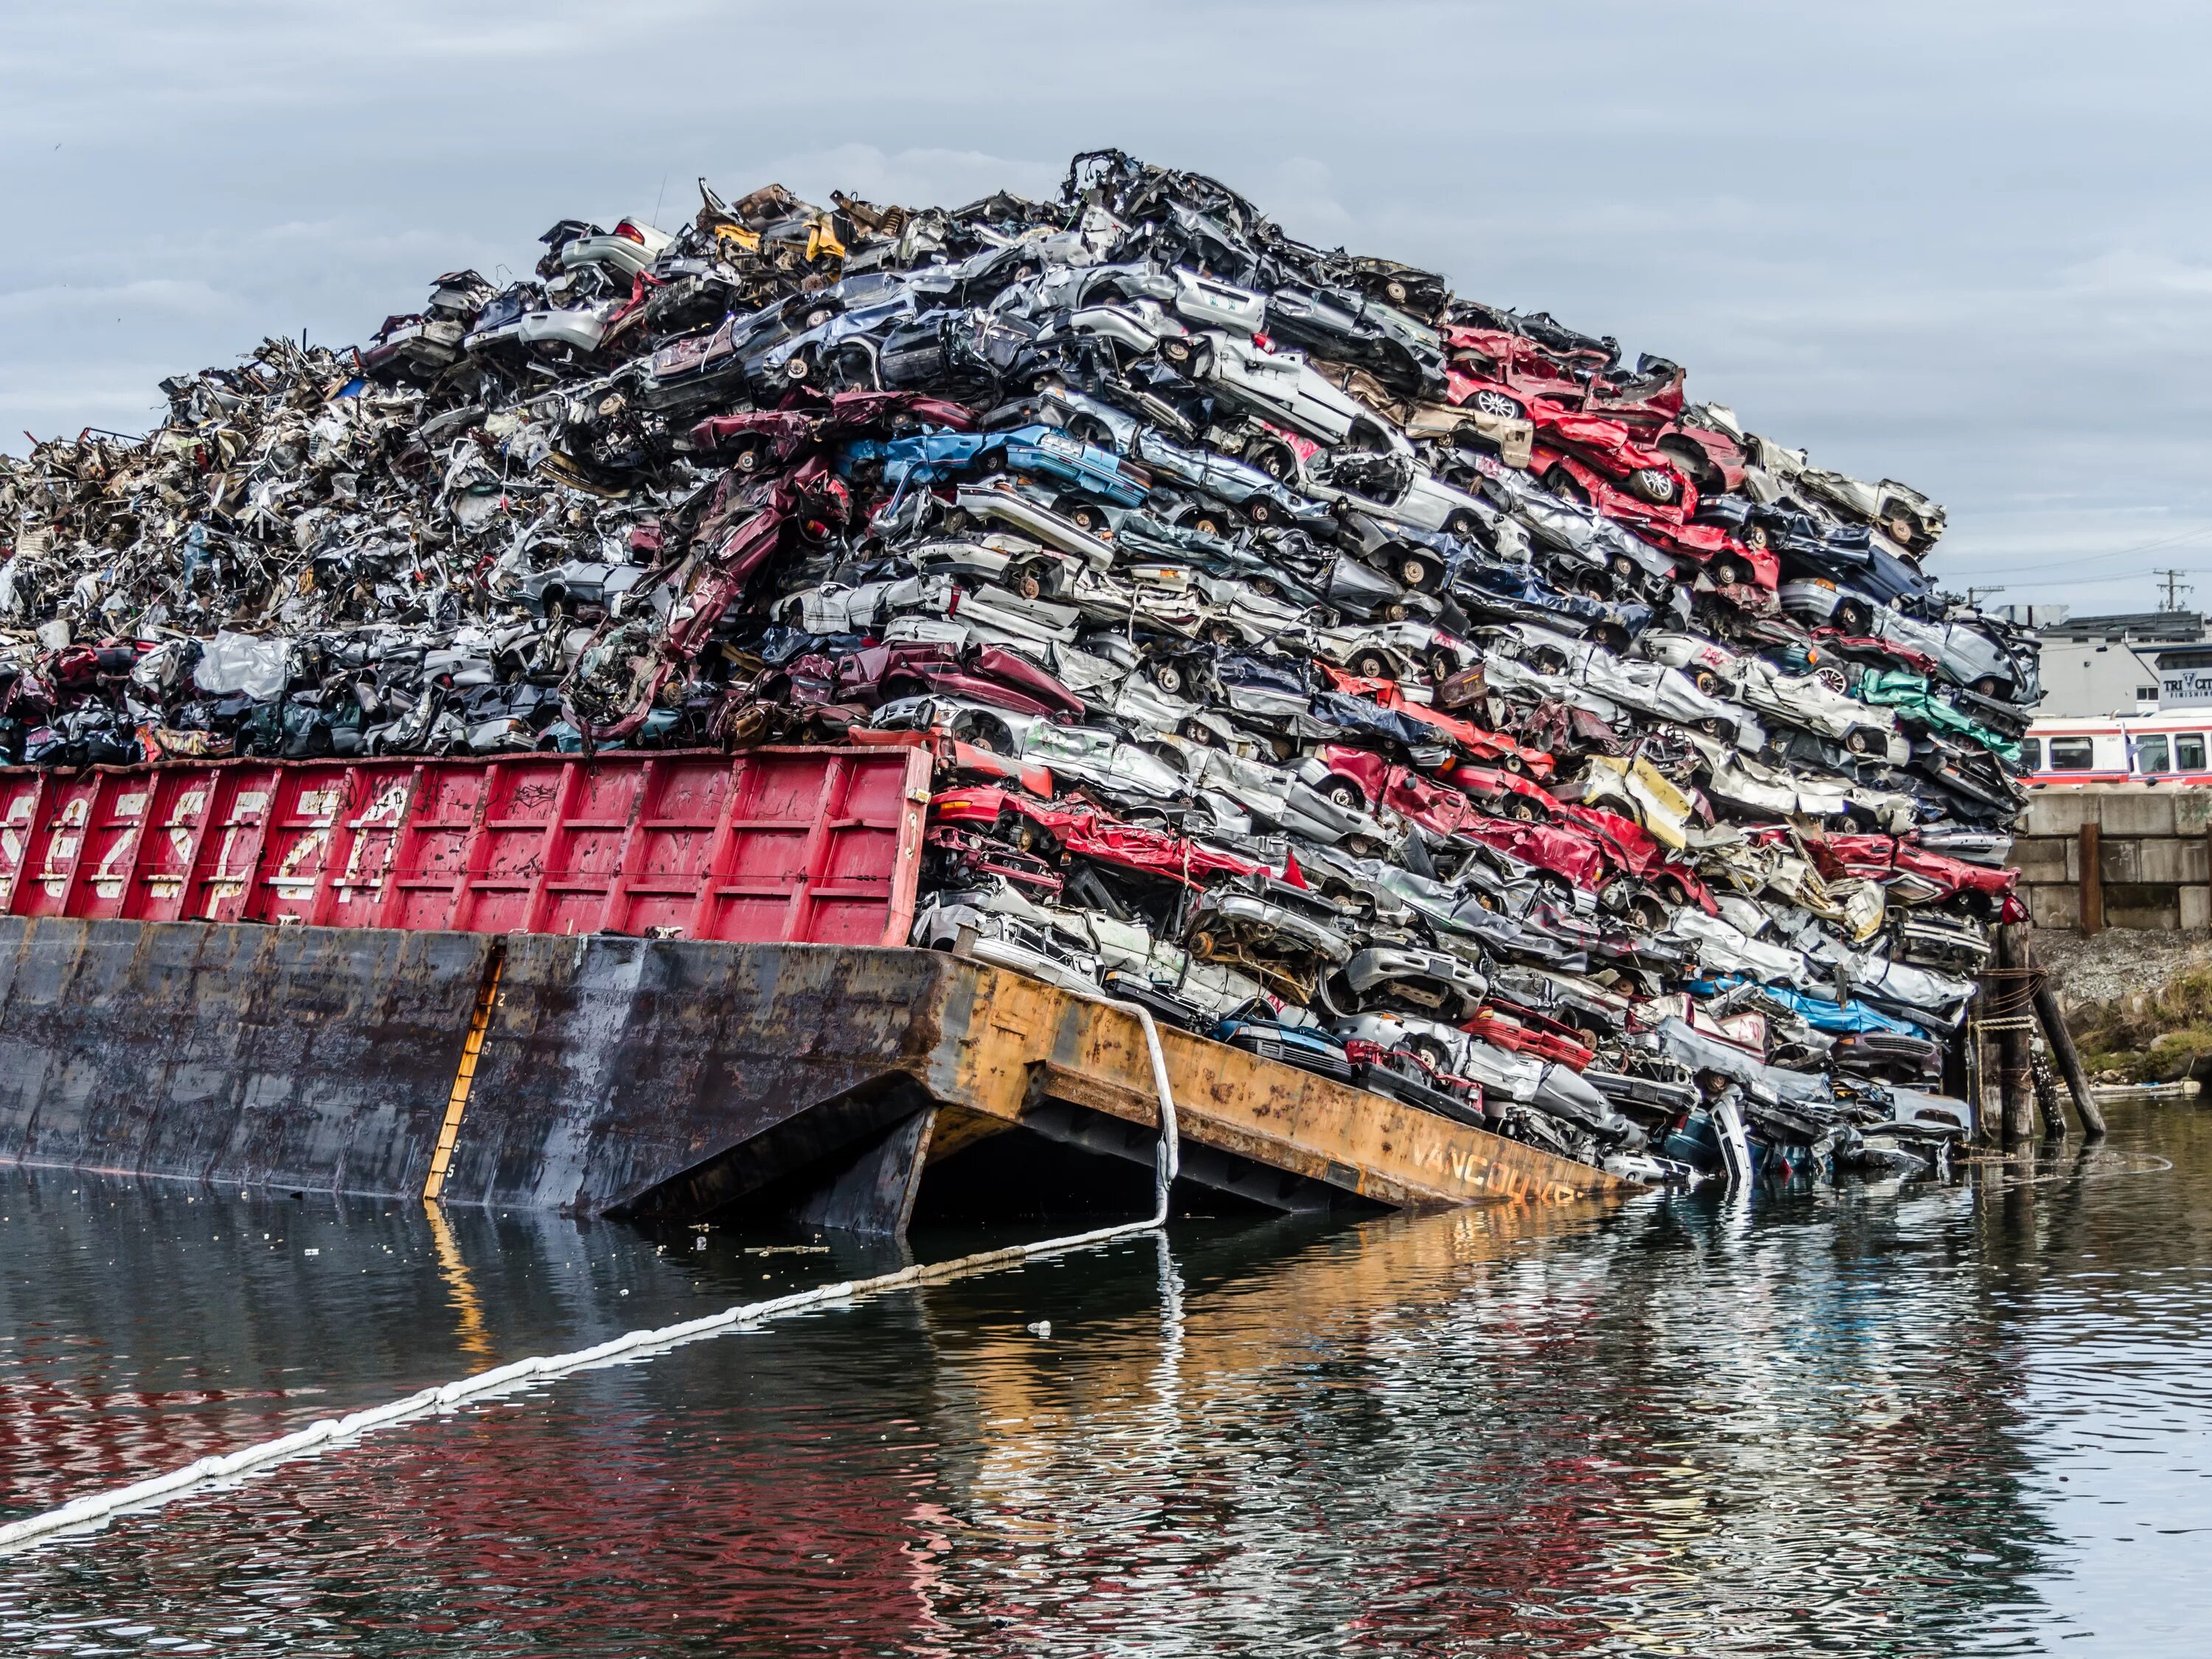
{"points": [[1309, 1050], [1034, 451]]}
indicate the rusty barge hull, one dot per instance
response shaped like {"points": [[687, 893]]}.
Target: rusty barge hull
{"points": [[650, 1077]]}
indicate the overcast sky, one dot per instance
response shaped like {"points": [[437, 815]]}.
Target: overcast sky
{"points": [[1962, 243]]}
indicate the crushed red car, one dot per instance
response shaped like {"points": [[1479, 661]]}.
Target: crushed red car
{"points": [[1088, 833]]}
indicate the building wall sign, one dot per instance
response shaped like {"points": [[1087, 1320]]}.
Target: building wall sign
{"points": [[2184, 688]]}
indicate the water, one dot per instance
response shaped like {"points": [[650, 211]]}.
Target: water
{"points": [[1959, 1421]]}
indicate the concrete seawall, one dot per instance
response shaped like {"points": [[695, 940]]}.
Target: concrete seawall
{"points": [[2150, 848]]}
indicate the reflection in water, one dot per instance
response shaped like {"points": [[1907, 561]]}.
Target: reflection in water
{"points": [[467, 1311], [1876, 1422]]}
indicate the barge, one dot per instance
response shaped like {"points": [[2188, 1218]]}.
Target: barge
{"points": [[663, 987]]}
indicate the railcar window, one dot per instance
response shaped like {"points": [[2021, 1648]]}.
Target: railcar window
{"points": [[2072, 754], [2150, 757], [2189, 752], [2031, 751]]}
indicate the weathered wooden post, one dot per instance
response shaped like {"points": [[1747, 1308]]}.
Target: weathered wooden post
{"points": [[2009, 1018], [2068, 1058], [2044, 1070]]}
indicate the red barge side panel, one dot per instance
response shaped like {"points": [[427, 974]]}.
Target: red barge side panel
{"points": [[800, 846]]}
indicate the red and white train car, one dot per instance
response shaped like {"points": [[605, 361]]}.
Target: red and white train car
{"points": [[2168, 747]]}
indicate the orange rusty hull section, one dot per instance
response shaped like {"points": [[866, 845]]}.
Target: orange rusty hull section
{"points": [[1008, 1041]]}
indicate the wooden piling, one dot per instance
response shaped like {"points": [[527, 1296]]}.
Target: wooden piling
{"points": [[2068, 1058], [2008, 1011], [2046, 1082]]}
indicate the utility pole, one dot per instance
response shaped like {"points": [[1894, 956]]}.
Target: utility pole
{"points": [[2174, 587], [1974, 594]]}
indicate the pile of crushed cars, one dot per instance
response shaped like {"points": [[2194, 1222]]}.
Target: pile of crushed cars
{"points": [[1377, 679]]}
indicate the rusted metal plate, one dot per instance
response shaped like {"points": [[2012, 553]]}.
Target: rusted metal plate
{"points": [[310, 1058], [611, 1066], [1000, 1026]]}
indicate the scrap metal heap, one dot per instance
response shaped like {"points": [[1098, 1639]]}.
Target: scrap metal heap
{"points": [[1378, 679]]}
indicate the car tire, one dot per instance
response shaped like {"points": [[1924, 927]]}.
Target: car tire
{"points": [[990, 736], [1655, 484], [1490, 401], [1563, 483], [992, 462], [1372, 665]]}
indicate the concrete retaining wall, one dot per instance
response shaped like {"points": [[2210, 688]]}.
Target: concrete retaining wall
{"points": [[2154, 855]]}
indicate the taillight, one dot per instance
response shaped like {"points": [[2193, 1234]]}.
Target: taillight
{"points": [[630, 232]]}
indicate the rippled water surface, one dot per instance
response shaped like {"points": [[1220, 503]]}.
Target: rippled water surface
{"points": [[1964, 1420]]}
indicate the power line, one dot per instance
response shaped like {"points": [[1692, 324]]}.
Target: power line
{"points": [[2105, 581], [2115, 553]]}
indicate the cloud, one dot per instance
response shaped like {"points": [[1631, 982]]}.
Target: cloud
{"points": [[163, 294], [1963, 245]]}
